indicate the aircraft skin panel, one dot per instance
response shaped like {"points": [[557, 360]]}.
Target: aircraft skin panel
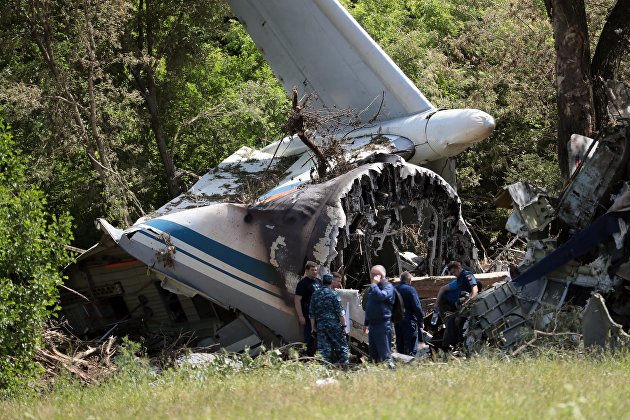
{"points": [[222, 231], [222, 255], [280, 191], [189, 256], [317, 46], [226, 284]]}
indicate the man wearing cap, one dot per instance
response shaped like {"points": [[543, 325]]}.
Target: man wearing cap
{"points": [[303, 293], [378, 316], [407, 329], [329, 321]]}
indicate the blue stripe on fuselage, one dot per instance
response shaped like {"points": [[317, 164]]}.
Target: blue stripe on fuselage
{"points": [[206, 263], [221, 252]]}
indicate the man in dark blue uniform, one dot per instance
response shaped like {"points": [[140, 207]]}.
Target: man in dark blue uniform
{"points": [[378, 316], [407, 330], [465, 281], [302, 301], [448, 299]]}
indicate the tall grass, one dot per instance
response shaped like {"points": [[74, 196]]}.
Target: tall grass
{"points": [[549, 385]]}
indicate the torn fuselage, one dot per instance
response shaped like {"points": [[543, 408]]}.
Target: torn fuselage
{"points": [[249, 258]]}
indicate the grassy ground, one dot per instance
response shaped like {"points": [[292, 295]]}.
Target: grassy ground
{"points": [[552, 385]]}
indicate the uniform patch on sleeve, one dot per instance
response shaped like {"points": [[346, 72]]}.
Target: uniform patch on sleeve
{"points": [[471, 280]]}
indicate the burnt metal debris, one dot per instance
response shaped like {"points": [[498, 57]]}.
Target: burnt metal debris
{"points": [[348, 223], [577, 252]]}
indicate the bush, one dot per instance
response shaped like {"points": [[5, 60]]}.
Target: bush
{"points": [[31, 255]]}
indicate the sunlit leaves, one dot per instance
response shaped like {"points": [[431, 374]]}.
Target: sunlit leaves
{"points": [[31, 256]]}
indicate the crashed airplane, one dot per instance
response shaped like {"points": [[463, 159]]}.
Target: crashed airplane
{"points": [[207, 263]]}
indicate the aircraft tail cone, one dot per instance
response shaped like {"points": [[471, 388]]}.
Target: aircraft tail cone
{"points": [[451, 131]]}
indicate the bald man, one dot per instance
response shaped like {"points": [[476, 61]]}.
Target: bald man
{"points": [[378, 316]]}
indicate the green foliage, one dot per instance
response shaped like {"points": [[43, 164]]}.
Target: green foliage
{"points": [[71, 111], [231, 97], [535, 170], [132, 363], [31, 256], [215, 92]]}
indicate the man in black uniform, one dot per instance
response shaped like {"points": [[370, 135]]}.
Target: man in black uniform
{"points": [[302, 301]]}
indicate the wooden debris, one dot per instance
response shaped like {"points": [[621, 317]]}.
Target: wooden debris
{"points": [[88, 361]]}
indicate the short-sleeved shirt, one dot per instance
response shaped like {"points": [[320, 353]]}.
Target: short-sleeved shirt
{"points": [[305, 288], [452, 293], [463, 283], [466, 281], [326, 306]]}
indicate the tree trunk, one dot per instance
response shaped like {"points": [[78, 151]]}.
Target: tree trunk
{"points": [[574, 92], [612, 45], [149, 91], [115, 185], [158, 131]]}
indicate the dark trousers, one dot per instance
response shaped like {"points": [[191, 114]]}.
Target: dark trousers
{"points": [[407, 337], [454, 330], [308, 339], [446, 308], [379, 340]]}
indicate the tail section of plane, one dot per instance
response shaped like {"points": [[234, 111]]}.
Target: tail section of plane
{"points": [[319, 47]]}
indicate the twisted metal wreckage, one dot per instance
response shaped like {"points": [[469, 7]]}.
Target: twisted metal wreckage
{"points": [[345, 224], [578, 250]]}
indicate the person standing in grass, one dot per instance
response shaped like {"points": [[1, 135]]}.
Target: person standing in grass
{"points": [[407, 330], [302, 301], [329, 321], [378, 316]]}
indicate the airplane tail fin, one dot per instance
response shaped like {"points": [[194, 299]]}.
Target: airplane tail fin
{"points": [[319, 47]]}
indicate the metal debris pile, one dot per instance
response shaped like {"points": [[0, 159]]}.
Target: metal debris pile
{"points": [[577, 253]]}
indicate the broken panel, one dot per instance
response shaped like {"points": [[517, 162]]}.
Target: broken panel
{"points": [[598, 177], [587, 252], [496, 315]]}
